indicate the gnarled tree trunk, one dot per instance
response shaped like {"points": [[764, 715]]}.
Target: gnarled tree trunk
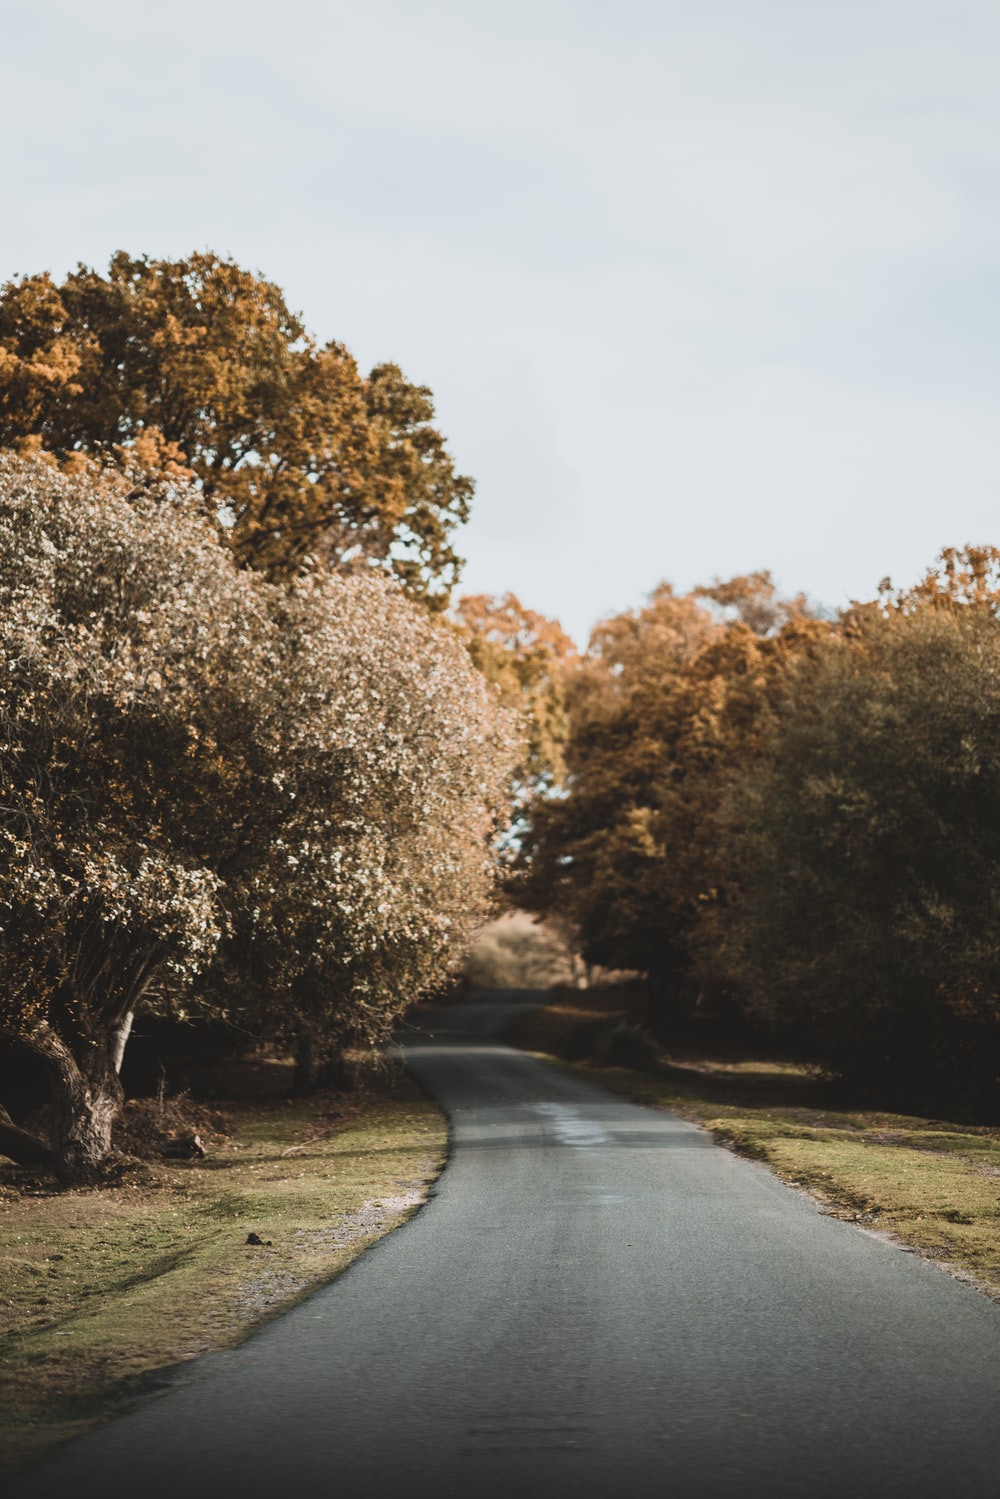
{"points": [[87, 1100], [87, 1096]]}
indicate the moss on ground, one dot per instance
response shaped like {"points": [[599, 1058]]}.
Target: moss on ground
{"points": [[103, 1287], [932, 1185]]}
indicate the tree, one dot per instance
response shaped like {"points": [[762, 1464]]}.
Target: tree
{"points": [[397, 761], [865, 846], [115, 783], [959, 577], [528, 658], [667, 701], [197, 365], [299, 785], [753, 599], [591, 853]]}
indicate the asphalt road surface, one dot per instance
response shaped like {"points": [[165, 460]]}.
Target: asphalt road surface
{"points": [[597, 1302]]}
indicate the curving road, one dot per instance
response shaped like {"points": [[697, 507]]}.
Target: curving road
{"points": [[598, 1301]]}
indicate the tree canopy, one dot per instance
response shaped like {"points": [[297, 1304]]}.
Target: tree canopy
{"points": [[795, 817], [275, 802], [864, 844], [666, 701], [199, 366], [529, 659]]}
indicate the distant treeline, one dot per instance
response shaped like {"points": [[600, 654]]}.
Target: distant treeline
{"points": [[794, 819]]}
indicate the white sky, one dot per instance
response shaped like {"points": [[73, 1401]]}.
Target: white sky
{"points": [[700, 286]]}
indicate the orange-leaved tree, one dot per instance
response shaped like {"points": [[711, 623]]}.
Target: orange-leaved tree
{"points": [[199, 365], [528, 658], [666, 701]]}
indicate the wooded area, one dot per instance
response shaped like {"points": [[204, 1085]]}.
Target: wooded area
{"points": [[254, 771], [249, 774], [794, 821]]}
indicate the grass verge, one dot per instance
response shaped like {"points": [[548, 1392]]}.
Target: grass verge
{"points": [[102, 1288], [931, 1185]]}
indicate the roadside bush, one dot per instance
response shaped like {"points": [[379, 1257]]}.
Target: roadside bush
{"points": [[146, 1125], [565, 1031], [628, 1045]]}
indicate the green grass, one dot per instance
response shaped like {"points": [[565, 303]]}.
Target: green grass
{"points": [[930, 1184], [104, 1287]]}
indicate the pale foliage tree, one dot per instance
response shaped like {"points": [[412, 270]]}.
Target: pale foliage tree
{"points": [[200, 769], [397, 763]]}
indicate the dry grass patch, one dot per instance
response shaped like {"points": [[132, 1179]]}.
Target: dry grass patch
{"points": [[104, 1287]]}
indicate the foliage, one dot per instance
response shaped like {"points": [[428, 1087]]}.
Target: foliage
{"points": [[198, 365], [589, 853], [301, 784], [666, 701], [528, 658], [865, 847], [517, 952], [395, 761], [796, 817], [960, 576], [753, 599], [115, 782]]}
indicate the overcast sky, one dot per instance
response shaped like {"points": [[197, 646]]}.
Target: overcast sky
{"points": [[700, 286]]}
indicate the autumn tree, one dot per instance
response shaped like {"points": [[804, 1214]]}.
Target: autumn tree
{"points": [[590, 854], [528, 659], [753, 599], [865, 842], [198, 365], [667, 699], [201, 769], [958, 577]]}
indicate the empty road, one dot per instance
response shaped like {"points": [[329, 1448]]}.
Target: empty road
{"points": [[597, 1302]]}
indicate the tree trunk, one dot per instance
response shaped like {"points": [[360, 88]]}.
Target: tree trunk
{"points": [[87, 1097], [88, 1100], [119, 1041], [306, 1063]]}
